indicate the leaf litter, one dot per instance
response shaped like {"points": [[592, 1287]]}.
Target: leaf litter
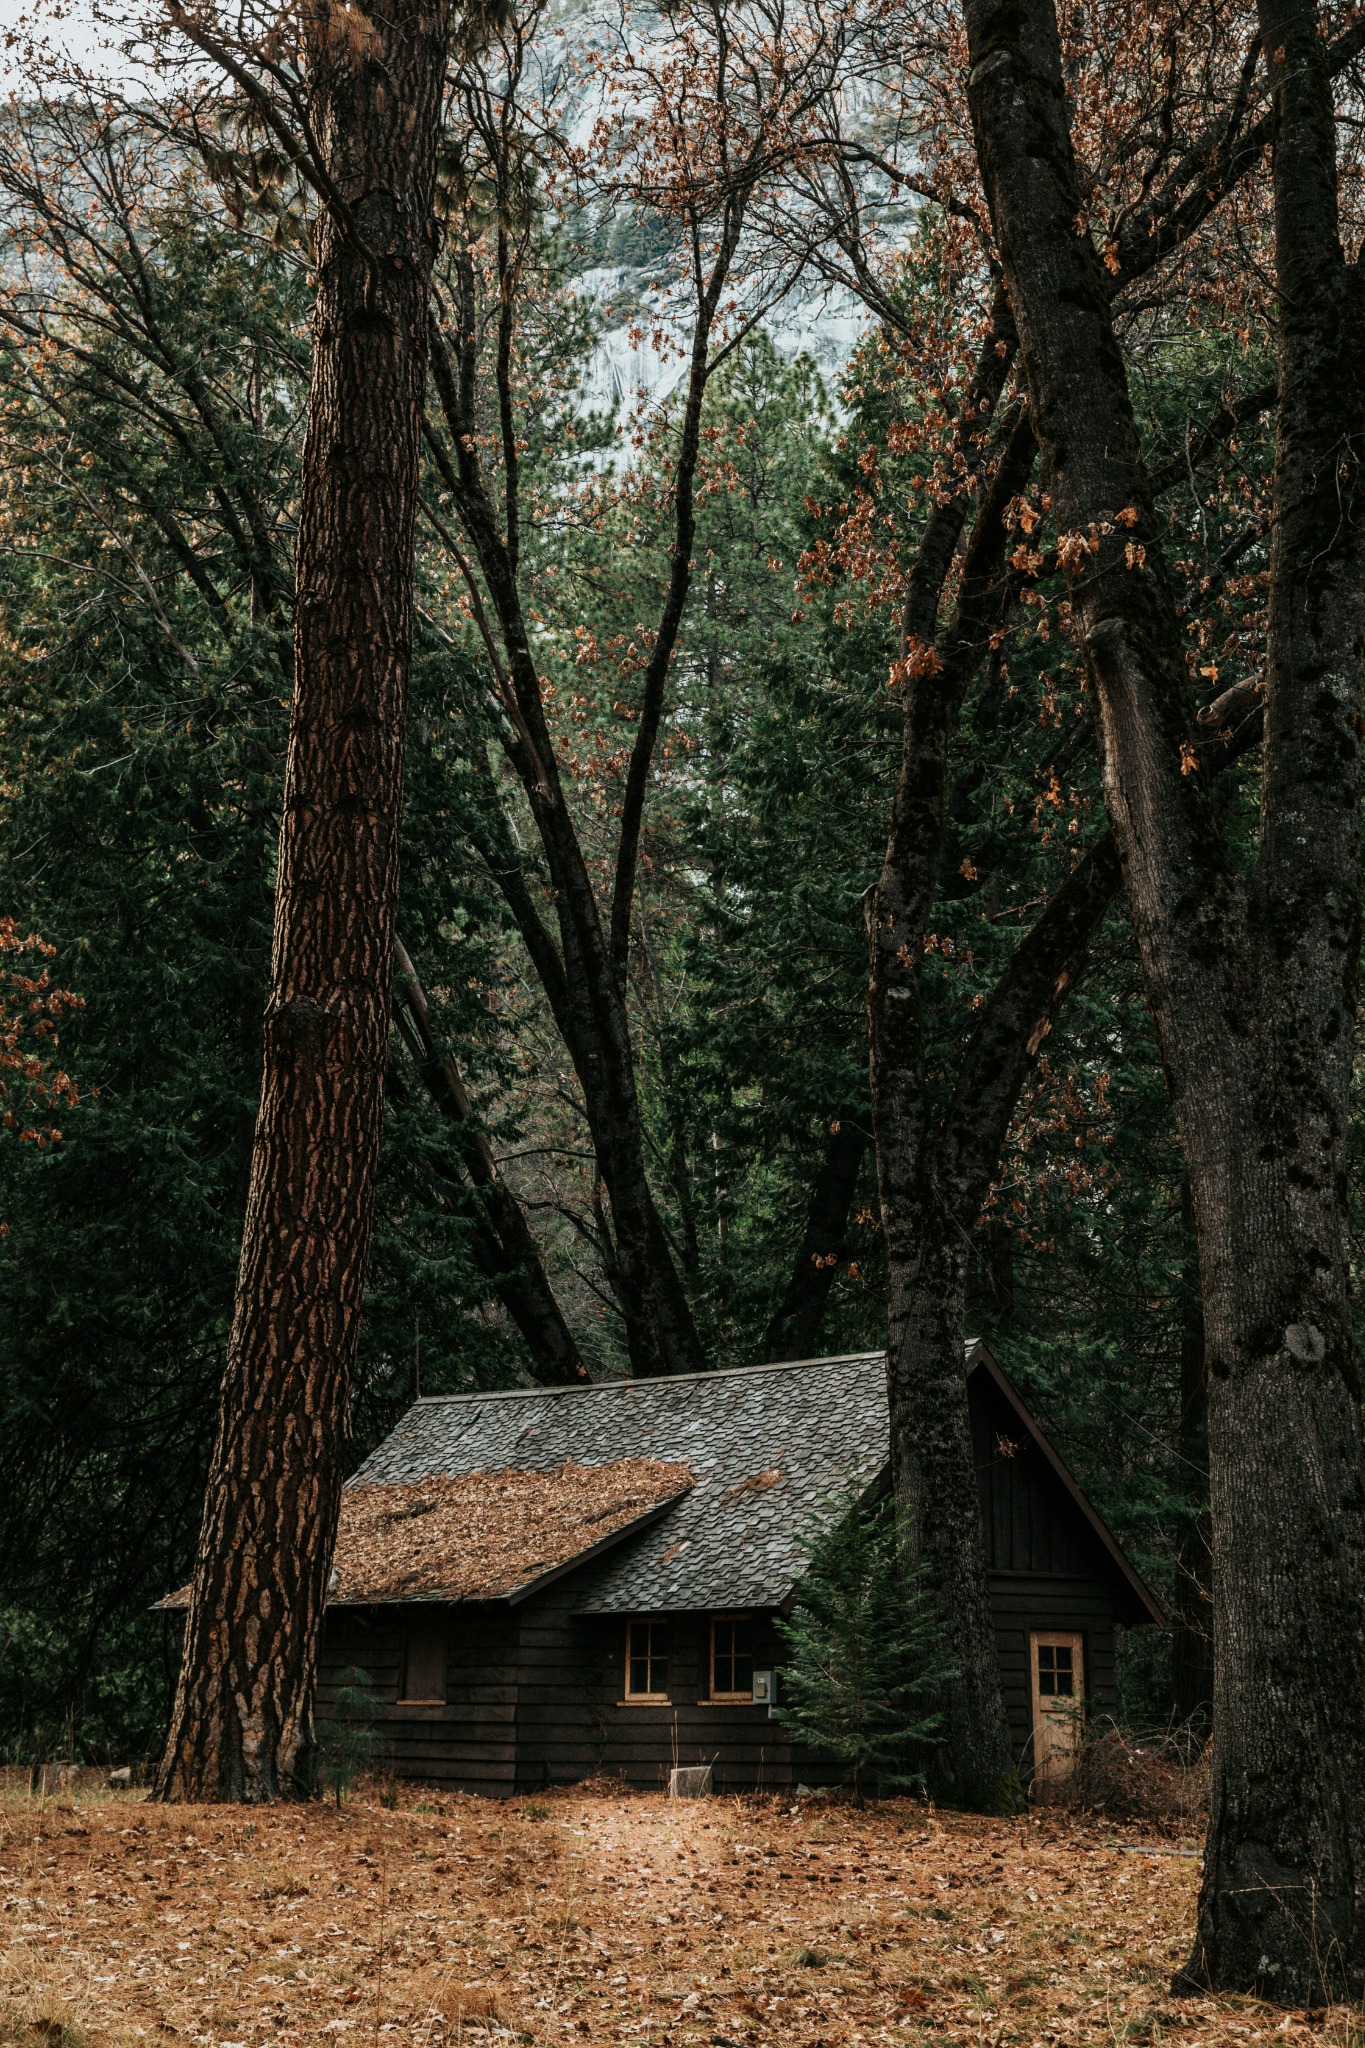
{"points": [[598, 1916], [483, 1535]]}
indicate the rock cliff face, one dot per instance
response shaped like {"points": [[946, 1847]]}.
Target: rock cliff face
{"points": [[628, 366]]}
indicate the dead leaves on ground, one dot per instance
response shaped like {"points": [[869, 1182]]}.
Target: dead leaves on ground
{"points": [[592, 1916]]}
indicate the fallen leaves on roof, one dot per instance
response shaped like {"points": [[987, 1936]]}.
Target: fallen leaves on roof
{"points": [[483, 1535], [757, 1482]]}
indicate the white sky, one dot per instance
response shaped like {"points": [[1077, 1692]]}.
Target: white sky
{"points": [[66, 25]]}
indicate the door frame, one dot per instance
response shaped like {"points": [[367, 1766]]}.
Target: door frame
{"points": [[1051, 1763]]}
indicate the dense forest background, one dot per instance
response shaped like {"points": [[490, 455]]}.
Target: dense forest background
{"points": [[154, 358]]}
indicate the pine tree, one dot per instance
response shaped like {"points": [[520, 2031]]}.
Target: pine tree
{"points": [[867, 1651], [348, 1738]]}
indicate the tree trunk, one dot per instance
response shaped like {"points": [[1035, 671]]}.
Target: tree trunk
{"points": [[1252, 977], [931, 1455], [242, 1723], [795, 1327], [934, 1470], [1192, 1633], [516, 1270]]}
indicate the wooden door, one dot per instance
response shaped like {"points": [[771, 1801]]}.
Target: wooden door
{"points": [[1057, 1658]]}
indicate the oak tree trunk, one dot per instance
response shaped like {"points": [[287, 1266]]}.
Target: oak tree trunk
{"points": [[1192, 1621], [1252, 976], [934, 1470], [241, 1727]]}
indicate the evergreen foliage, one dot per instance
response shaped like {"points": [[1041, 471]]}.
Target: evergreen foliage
{"points": [[348, 1739], [866, 1650], [140, 741]]}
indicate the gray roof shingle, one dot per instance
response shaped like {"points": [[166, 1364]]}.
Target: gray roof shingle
{"points": [[737, 1539]]}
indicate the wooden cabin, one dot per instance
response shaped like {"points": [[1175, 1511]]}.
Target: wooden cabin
{"points": [[547, 1584]]}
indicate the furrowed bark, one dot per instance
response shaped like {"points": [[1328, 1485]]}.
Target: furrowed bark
{"points": [[1252, 979], [517, 1274], [1192, 1630], [794, 1330], [242, 1723]]}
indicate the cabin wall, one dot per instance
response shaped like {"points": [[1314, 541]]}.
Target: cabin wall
{"points": [[1022, 1602], [535, 1695], [467, 1743], [573, 1720], [1045, 1568]]}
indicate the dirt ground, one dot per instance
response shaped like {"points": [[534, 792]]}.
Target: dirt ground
{"points": [[594, 1916]]}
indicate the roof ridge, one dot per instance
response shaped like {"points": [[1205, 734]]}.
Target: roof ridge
{"points": [[670, 1379]]}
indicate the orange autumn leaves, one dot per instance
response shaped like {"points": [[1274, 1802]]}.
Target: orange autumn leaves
{"points": [[33, 1088]]}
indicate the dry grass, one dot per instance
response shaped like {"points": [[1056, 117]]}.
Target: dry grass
{"points": [[1159, 1781], [600, 1918]]}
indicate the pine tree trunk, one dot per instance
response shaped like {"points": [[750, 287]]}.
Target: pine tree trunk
{"points": [[241, 1728]]}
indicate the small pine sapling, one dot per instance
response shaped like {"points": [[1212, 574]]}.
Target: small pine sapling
{"points": [[348, 1738], [866, 1652]]}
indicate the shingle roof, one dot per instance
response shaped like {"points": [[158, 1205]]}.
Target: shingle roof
{"points": [[768, 1446]]}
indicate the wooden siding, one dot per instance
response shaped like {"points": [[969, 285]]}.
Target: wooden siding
{"points": [[534, 1696], [1031, 1524], [467, 1743], [1022, 1602], [573, 1720]]}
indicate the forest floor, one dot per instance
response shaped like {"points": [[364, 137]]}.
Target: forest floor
{"points": [[598, 1917]]}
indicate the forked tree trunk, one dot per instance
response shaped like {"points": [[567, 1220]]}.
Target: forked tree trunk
{"points": [[935, 1195], [1252, 976], [241, 1728]]}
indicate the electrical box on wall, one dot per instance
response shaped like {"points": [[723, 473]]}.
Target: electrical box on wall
{"points": [[765, 1689]]}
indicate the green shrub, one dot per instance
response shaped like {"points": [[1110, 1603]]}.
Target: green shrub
{"points": [[349, 1736], [866, 1654]]}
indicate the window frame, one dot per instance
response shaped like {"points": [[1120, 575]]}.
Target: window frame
{"points": [[730, 1699], [1057, 1650], [651, 1658]]}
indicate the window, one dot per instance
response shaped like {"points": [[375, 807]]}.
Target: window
{"points": [[732, 1657], [647, 1660], [1056, 1671], [422, 1681]]}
